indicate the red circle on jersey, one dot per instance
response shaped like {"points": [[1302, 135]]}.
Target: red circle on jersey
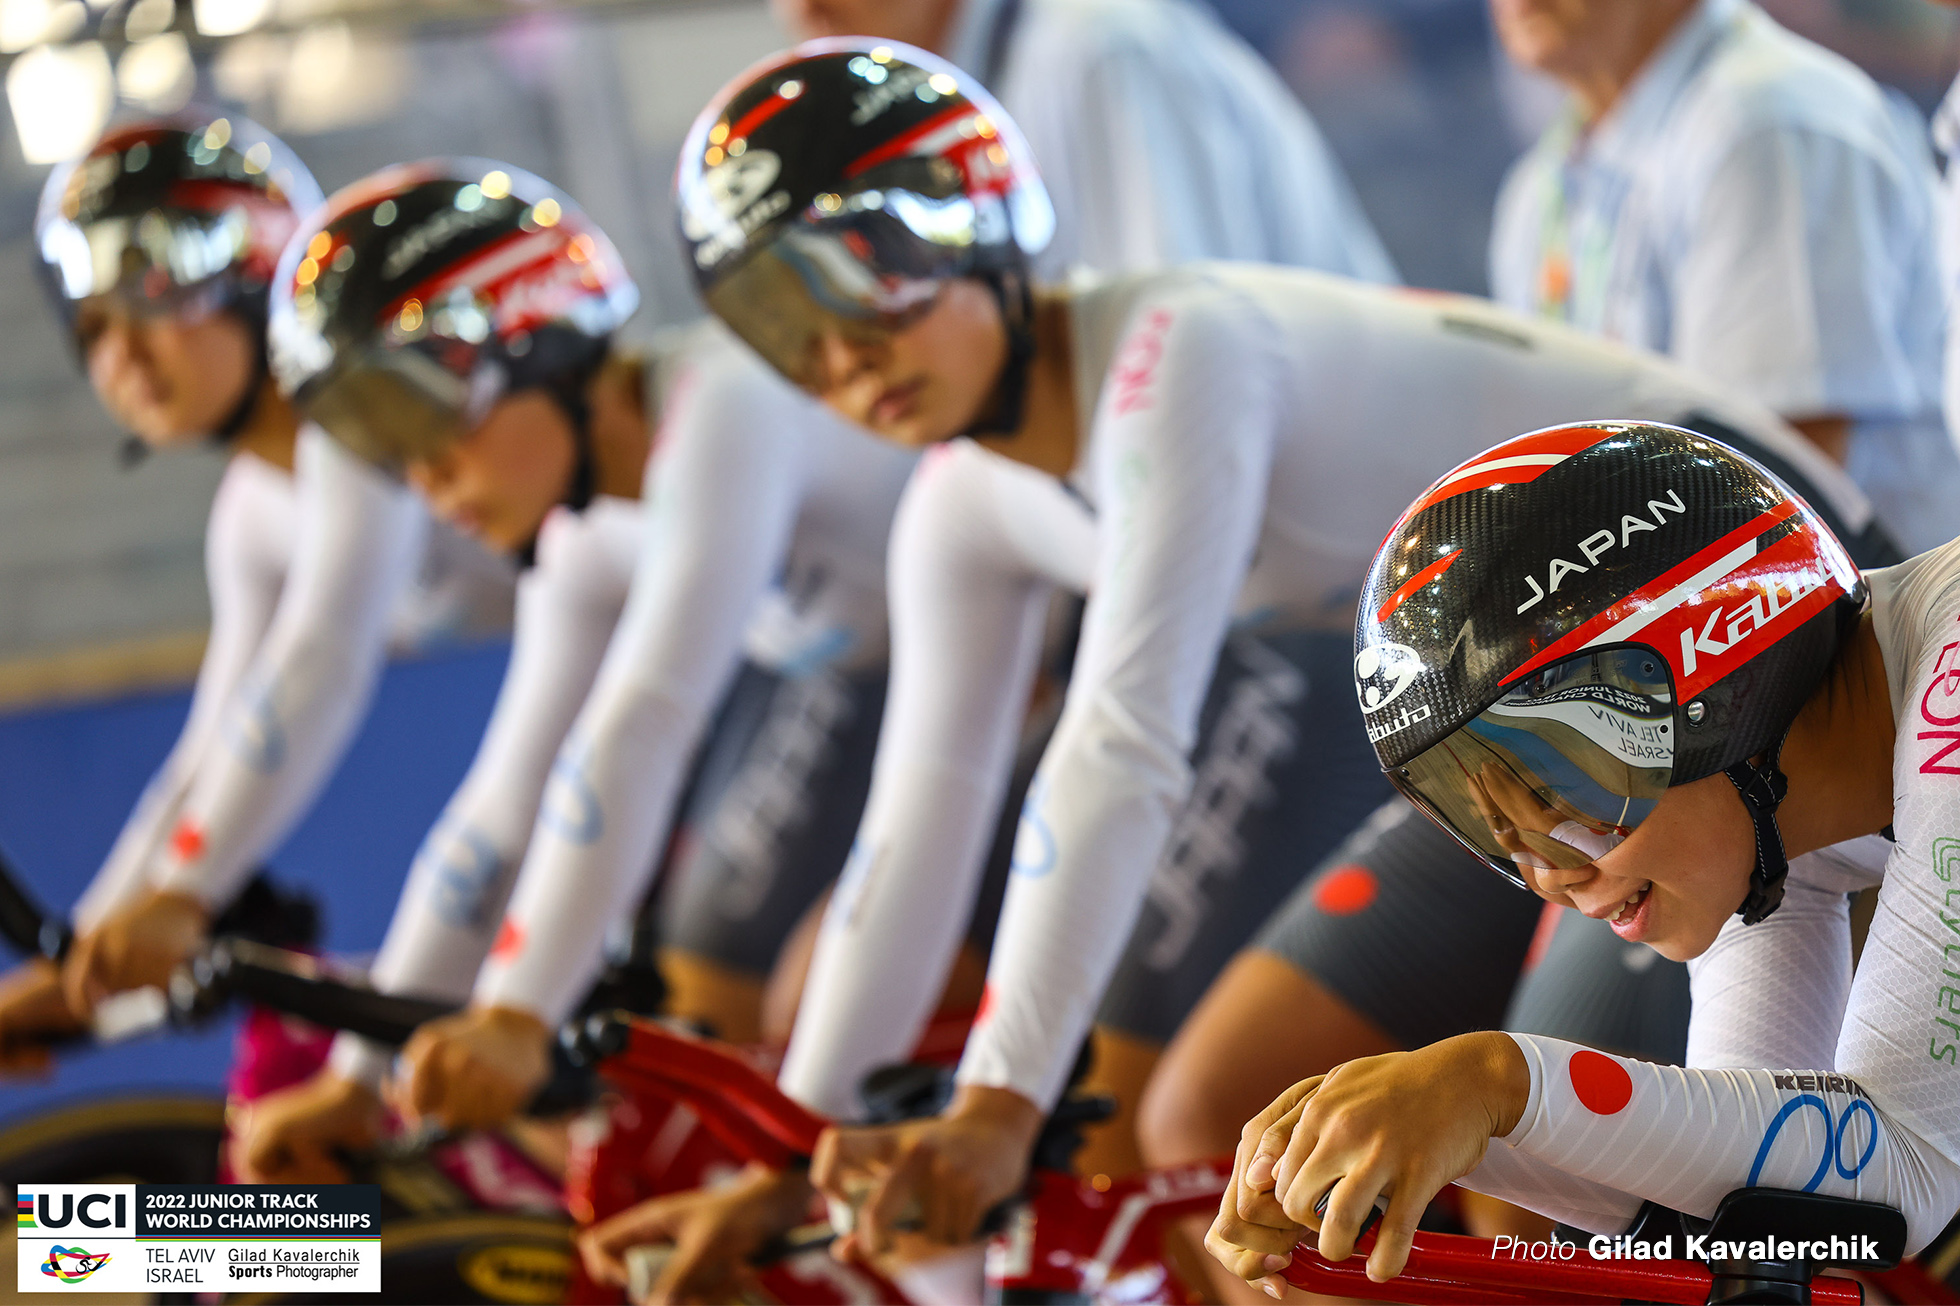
{"points": [[1345, 890], [1603, 1084]]}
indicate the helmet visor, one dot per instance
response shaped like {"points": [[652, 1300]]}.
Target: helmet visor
{"points": [[1570, 759], [394, 407], [146, 259], [814, 289]]}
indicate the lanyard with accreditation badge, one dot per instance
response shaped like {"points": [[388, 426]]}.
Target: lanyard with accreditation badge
{"points": [[1564, 282]]}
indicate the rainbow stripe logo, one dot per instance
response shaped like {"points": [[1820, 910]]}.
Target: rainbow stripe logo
{"points": [[72, 1264], [26, 1218]]}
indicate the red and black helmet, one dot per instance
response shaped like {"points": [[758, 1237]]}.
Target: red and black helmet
{"points": [[1597, 612], [168, 206], [174, 215], [838, 186], [419, 296]]}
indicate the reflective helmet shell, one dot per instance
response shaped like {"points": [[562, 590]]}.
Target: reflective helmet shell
{"points": [[891, 142], [417, 297], [168, 205], [1595, 536]]}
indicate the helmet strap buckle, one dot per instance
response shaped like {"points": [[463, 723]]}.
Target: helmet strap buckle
{"points": [[1763, 789], [1008, 405]]}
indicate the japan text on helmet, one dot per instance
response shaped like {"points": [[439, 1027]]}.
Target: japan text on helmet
{"points": [[416, 298], [1595, 613], [171, 215], [837, 187]]}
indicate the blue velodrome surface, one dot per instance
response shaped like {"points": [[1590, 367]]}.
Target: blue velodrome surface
{"points": [[69, 775]]}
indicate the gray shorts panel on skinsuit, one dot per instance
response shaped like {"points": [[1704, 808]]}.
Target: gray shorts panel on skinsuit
{"points": [[1593, 987], [775, 806], [1426, 942], [1282, 771], [1408, 929]]}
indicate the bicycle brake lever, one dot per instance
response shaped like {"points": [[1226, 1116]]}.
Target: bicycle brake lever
{"points": [[1373, 1218]]}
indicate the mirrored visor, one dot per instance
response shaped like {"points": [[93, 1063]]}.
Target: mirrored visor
{"points": [[393, 407], [1570, 759], [148, 257], [814, 290]]}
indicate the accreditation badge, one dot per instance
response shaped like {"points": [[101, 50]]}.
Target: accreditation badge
{"points": [[198, 1238]]}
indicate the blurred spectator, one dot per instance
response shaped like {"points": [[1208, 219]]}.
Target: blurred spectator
{"points": [[1726, 192]]}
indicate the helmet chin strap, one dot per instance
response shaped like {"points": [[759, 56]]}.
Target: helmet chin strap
{"points": [[583, 483], [1763, 789], [1008, 403], [241, 412]]}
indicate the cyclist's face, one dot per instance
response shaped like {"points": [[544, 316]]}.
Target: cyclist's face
{"points": [[166, 379], [924, 382], [1677, 878], [916, 22], [500, 481]]}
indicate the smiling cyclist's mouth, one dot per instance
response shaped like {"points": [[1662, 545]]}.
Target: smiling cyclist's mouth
{"points": [[1630, 919]]}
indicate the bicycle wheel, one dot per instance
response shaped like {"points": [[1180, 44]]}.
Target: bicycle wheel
{"points": [[154, 1139], [464, 1257]]}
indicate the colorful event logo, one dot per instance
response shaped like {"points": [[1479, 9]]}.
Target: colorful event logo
{"points": [[25, 1219], [72, 1264]]}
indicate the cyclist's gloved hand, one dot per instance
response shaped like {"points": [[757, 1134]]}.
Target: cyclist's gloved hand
{"points": [[290, 1137], [1399, 1126], [136, 947], [712, 1233], [473, 1070], [942, 1173], [32, 1009]]}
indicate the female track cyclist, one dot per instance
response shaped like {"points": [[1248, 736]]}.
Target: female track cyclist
{"points": [[157, 248], [1664, 739], [455, 321], [1180, 445]]}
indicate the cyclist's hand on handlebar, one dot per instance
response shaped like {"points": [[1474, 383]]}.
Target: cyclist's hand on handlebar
{"points": [[1252, 1236], [944, 1171], [290, 1137], [32, 1009], [1398, 1126], [713, 1231], [473, 1070], [137, 946]]}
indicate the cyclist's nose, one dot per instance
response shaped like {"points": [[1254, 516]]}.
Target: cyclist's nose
{"points": [[430, 475], [843, 359], [113, 351], [1553, 880]]}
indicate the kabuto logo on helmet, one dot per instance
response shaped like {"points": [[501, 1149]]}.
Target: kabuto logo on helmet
{"points": [[1382, 672], [727, 191]]}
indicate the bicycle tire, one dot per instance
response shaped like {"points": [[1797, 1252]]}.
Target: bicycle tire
{"points": [[152, 1139]]}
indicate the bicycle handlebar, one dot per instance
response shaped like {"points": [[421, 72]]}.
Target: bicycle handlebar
{"points": [[297, 984], [25, 923]]}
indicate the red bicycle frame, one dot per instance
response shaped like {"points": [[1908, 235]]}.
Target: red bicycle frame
{"points": [[1069, 1237]]}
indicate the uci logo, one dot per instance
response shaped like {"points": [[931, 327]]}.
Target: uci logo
{"points": [[75, 1207], [1382, 672], [727, 190]]}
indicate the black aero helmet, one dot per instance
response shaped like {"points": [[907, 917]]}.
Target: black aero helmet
{"points": [[838, 186], [170, 215], [416, 298], [1591, 614]]}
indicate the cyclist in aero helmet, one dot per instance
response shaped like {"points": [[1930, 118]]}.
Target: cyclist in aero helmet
{"points": [[1177, 444], [1669, 740], [157, 248], [456, 320], [432, 319]]}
